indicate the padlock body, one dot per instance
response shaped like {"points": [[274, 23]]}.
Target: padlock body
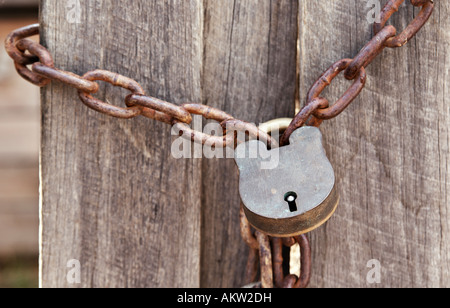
{"points": [[302, 170], [296, 225]]}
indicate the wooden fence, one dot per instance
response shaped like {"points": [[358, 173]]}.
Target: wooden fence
{"points": [[116, 200]]}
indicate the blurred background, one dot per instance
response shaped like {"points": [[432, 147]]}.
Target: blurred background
{"points": [[19, 159]]}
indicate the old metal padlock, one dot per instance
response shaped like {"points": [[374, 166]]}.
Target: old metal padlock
{"points": [[290, 190]]}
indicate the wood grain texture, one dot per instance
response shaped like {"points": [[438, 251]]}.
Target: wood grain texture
{"points": [[390, 150], [249, 71], [112, 195]]}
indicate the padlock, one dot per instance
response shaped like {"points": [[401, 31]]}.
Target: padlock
{"points": [[287, 191]]}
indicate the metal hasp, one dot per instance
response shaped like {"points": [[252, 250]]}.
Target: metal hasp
{"points": [[287, 191]]}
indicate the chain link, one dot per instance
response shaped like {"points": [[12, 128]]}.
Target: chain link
{"points": [[266, 250], [412, 29], [137, 103], [10, 44], [118, 81], [384, 36], [40, 53], [349, 95]]}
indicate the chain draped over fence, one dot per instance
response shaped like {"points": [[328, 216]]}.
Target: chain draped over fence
{"points": [[267, 250], [317, 108]]}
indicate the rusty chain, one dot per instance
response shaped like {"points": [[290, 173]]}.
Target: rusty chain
{"points": [[263, 249], [317, 108], [26, 52], [268, 251]]}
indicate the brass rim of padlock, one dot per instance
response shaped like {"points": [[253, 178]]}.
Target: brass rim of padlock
{"points": [[280, 124], [306, 222]]}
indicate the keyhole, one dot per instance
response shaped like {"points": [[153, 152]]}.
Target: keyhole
{"points": [[290, 198]]}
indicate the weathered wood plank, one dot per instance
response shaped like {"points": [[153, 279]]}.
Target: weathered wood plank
{"points": [[390, 150], [250, 72], [112, 195]]}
